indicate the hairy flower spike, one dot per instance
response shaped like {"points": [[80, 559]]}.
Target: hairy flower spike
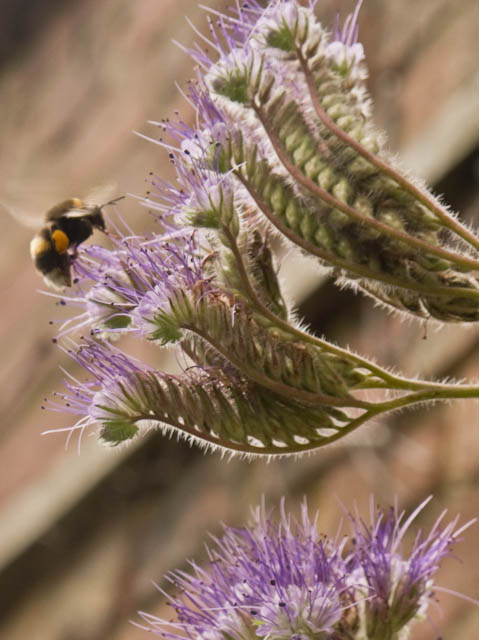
{"points": [[283, 145], [298, 113], [283, 580], [213, 406]]}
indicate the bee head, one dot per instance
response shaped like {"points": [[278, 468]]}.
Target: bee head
{"points": [[96, 219]]}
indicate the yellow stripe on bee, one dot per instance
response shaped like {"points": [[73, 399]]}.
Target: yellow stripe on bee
{"points": [[77, 203], [61, 240]]}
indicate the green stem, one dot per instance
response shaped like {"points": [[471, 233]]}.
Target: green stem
{"points": [[380, 408], [423, 197], [325, 196], [431, 392], [390, 380]]}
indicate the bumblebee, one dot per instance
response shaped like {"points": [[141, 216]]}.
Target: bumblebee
{"points": [[67, 224]]}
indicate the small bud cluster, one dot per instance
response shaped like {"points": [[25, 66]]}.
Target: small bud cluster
{"points": [[284, 580]]}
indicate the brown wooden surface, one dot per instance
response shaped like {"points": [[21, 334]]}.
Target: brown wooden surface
{"points": [[82, 537]]}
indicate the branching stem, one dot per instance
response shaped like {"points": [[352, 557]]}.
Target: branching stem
{"points": [[376, 410]]}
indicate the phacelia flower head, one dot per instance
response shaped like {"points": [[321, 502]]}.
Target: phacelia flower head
{"points": [[401, 583], [267, 580], [285, 107], [283, 144], [284, 581], [122, 289]]}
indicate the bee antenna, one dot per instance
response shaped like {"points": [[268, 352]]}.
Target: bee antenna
{"points": [[112, 201]]}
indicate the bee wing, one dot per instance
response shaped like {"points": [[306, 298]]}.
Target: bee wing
{"points": [[64, 208], [101, 194], [26, 219]]}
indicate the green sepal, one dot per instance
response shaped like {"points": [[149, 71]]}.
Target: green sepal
{"points": [[117, 322], [117, 431], [167, 329], [282, 38], [234, 86], [208, 218], [265, 275], [228, 412], [262, 351]]}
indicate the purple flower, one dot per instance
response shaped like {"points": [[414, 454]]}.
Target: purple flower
{"points": [[348, 34], [109, 396], [283, 580], [123, 289], [128, 287], [265, 580], [345, 49], [401, 585]]}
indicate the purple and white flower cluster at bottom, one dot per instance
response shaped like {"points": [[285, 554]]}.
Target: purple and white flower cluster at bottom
{"points": [[283, 580]]}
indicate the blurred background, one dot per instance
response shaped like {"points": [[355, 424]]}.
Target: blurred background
{"points": [[82, 537]]}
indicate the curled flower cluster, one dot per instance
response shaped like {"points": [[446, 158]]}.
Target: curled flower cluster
{"points": [[283, 144], [287, 136], [284, 580]]}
